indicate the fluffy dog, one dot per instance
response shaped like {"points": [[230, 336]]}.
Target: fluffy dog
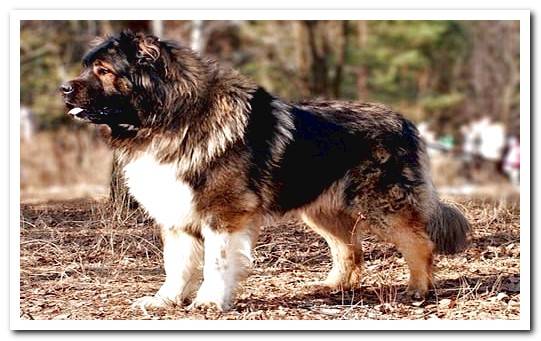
{"points": [[211, 156]]}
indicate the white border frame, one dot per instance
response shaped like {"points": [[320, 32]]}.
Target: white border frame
{"points": [[525, 303]]}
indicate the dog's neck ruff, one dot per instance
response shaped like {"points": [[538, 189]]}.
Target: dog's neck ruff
{"points": [[191, 144]]}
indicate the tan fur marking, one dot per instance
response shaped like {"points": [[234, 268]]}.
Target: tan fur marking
{"points": [[413, 242], [341, 233], [106, 74]]}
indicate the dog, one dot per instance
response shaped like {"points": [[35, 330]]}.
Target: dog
{"points": [[212, 156]]}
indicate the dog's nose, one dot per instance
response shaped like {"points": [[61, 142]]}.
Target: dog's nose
{"points": [[66, 88]]}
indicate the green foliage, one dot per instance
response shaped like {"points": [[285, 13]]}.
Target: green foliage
{"points": [[413, 61], [443, 101]]}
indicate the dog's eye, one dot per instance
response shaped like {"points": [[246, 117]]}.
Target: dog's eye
{"points": [[103, 71]]}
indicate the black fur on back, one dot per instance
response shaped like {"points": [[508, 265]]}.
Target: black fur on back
{"points": [[324, 143]]}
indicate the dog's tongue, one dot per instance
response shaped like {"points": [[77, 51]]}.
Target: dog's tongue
{"points": [[75, 112]]}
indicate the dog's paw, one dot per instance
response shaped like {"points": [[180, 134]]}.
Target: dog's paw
{"points": [[416, 294], [207, 304], [150, 302], [206, 300], [212, 296]]}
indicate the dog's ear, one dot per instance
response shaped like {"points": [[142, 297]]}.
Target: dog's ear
{"points": [[148, 49], [146, 53]]}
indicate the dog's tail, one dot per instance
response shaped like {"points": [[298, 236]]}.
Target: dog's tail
{"points": [[448, 229]]}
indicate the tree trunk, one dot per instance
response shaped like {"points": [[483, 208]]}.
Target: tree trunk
{"points": [[196, 36], [120, 199], [157, 28], [362, 71], [341, 59], [318, 67]]}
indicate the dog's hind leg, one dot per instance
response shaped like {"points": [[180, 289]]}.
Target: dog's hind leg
{"points": [[410, 237], [341, 233]]}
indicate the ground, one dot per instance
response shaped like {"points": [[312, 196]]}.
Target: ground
{"points": [[81, 261]]}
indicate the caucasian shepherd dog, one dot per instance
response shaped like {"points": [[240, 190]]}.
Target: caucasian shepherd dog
{"points": [[211, 156]]}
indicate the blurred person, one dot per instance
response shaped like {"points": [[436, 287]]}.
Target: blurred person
{"points": [[447, 142], [492, 136], [430, 138], [484, 142], [511, 161]]}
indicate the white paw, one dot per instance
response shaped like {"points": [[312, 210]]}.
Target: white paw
{"points": [[209, 304], [150, 302], [208, 299]]}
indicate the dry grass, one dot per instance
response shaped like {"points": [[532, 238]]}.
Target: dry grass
{"points": [[79, 261]]}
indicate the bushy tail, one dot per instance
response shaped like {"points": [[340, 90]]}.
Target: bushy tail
{"points": [[448, 229]]}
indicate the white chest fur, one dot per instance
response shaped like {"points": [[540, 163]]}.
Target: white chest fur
{"points": [[156, 187]]}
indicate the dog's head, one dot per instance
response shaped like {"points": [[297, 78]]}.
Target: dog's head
{"points": [[122, 81]]}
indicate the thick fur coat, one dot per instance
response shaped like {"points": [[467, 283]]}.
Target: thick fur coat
{"points": [[212, 156]]}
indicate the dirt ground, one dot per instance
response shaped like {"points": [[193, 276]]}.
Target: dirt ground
{"points": [[79, 261]]}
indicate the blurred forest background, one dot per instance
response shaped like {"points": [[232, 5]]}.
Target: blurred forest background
{"points": [[444, 75]]}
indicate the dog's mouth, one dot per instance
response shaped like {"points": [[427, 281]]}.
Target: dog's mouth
{"points": [[112, 117], [79, 114], [98, 116]]}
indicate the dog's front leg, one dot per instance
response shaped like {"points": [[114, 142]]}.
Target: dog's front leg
{"points": [[182, 256], [226, 257]]}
